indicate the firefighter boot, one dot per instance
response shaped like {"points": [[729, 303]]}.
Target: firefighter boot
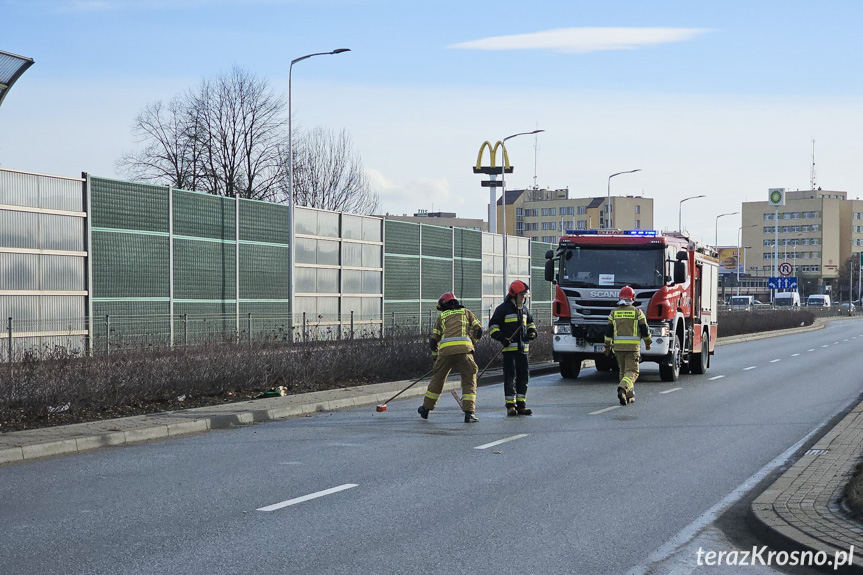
{"points": [[424, 413], [470, 417], [521, 409], [621, 395], [630, 395], [510, 410]]}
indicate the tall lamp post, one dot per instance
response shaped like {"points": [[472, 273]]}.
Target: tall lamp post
{"points": [[291, 226], [503, 195], [680, 211], [716, 237], [739, 234], [608, 202]]}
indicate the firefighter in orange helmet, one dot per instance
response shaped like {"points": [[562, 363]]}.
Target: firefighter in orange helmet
{"points": [[453, 337], [512, 325], [627, 326]]}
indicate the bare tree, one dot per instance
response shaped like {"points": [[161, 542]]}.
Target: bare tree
{"points": [[223, 138], [170, 154], [328, 174]]}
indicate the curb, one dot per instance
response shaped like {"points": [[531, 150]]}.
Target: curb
{"points": [[38, 443], [802, 512]]}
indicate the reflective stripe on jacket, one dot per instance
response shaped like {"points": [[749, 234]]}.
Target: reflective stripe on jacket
{"points": [[456, 331], [513, 324], [627, 326]]}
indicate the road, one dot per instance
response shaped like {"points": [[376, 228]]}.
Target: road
{"points": [[583, 486]]}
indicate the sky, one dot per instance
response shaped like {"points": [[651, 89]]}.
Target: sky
{"points": [[714, 98]]}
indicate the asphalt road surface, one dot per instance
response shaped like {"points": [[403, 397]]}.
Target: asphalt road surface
{"points": [[583, 486]]}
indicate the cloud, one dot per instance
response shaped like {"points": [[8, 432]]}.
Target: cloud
{"points": [[583, 40], [405, 198]]}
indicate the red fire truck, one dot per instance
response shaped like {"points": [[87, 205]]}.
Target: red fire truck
{"points": [[675, 283]]}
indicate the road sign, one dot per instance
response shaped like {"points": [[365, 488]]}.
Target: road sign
{"points": [[785, 269], [782, 283]]}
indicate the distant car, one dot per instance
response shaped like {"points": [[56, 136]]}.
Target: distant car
{"points": [[847, 308], [760, 306]]}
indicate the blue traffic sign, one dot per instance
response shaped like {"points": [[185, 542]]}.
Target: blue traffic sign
{"points": [[782, 283]]}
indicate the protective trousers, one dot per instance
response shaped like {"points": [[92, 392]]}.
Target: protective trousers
{"points": [[628, 362], [466, 366], [515, 377]]}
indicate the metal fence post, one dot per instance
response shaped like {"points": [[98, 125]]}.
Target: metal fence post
{"points": [[392, 324], [305, 338], [250, 328], [107, 334], [9, 343], [352, 324], [185, 330]]}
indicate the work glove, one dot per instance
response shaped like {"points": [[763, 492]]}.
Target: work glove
{"points": [[647, 345], [432, 344], [531, 335], [607, 351]]}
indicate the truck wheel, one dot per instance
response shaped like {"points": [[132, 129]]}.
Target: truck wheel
{"points": [[672, 372], [570, 367], [698, 361]]}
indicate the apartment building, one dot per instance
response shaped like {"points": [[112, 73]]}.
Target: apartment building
{"points": [[544, 215], [816, 231]]}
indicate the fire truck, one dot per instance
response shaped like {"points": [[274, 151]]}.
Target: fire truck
{"points": [[675, 283]]}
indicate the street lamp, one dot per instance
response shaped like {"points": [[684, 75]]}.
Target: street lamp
{"points": [[739, 234], [716, 238], [680, 211], [503, 194], [291, 226], [608, 202]]}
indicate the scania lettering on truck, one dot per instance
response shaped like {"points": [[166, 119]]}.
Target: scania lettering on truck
{"points": [[675, 283]]}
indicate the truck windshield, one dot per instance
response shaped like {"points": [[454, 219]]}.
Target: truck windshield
{"points": [[641, 267]]}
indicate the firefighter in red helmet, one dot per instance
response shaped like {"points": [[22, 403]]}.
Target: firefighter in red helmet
{"points": [[512, 325], [453, 337], [627, 326]]}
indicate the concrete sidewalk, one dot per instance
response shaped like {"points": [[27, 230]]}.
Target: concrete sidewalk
{"points": [[800, 511]]}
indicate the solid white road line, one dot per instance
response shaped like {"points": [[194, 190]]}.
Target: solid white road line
{"points": [[716, 377], [604, 410], [670, 390], [498, 442], [750, 367], [307, 497]]}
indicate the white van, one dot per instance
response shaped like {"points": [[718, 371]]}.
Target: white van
{"points": [[818, 300], [741, 302], [787, 299]]}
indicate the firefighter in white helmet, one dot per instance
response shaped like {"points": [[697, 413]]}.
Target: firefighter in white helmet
{"points": [[453, 337], [627, 326]]}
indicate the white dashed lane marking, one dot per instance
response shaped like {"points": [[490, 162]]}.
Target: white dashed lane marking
{"points": [[499, 441], [296, 500], [716, 377], [750, 367], [670, 390], [810, 350], [604, 410], [794, 354], [774, 360]]}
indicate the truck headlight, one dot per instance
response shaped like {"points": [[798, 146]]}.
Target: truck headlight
{"points": [[659, 330], [562, 329]]}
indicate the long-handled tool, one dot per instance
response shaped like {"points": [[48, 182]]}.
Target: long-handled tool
{"points": [[383, 406], [506, 343]]}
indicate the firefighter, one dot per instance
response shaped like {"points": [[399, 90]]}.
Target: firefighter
{"points": [[627, 326], [452, 340], [512, 325]]}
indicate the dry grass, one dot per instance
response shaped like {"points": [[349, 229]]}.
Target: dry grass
{"points": [[739, 323], [144, 380], [854, 492]]}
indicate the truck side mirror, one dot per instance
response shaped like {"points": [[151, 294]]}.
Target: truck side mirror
{"points": [[682, 256], [549, 270], [679, 272], [549, 254]]}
